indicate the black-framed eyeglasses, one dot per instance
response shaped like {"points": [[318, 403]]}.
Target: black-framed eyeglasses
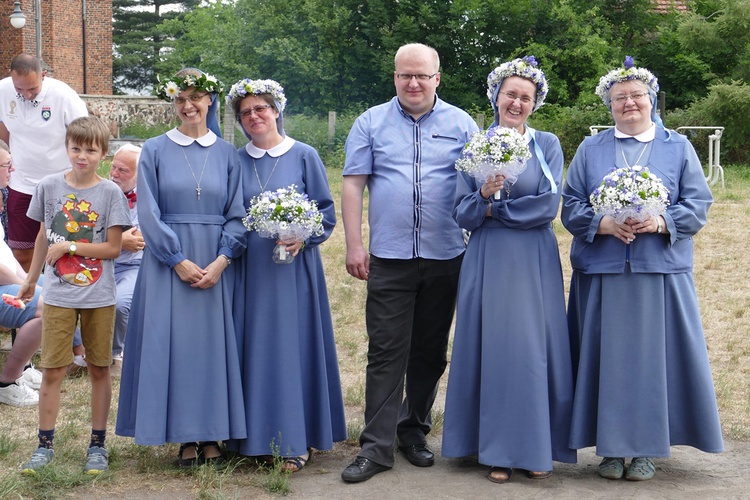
{"points": [[406, 77], [247, 113], [195, 97], [6, 165], [636, 96], [513, 96]]}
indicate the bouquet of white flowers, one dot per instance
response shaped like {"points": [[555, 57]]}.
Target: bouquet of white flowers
{"points": [[498, 151], [284, 214], [630, 193]]}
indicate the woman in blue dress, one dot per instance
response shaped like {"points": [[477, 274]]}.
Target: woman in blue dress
{"points": [[290, 371], [510, 387], [644, 382], [181, 377]]}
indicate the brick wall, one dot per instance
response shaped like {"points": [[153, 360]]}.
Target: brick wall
{"points": [[85, 67]]}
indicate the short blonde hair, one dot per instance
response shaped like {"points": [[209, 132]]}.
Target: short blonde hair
{"points": [[88, 130], [415, 48]]}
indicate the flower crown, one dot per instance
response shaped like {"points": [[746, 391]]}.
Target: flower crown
{"points": [[246, 87], [628, 72], [169, 88], [525, 68]]}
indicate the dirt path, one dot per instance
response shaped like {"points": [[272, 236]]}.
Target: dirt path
{"points": [[689, 474]]}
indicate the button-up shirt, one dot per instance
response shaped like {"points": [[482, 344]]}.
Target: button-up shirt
{"points": [[412, 178]]}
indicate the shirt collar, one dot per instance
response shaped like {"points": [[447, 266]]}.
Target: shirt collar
{"points": [[39, 97], [646, 136], [435, 104], [276, 151], [179, 138]]}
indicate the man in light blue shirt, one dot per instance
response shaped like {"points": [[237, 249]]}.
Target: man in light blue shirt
{"points": [[404, 152]]}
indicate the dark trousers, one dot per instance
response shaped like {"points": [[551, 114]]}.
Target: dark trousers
{"points": [[410, 306]]}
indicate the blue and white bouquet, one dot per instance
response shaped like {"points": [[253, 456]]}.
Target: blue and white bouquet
{"points": [[497, 151], [284, 214], [630, 193]]}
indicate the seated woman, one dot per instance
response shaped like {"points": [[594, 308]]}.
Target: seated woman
{"points": [[18, 378]]}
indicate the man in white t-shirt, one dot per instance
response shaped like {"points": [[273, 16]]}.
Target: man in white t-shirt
{"points": [[35, 111], [18, 378]]}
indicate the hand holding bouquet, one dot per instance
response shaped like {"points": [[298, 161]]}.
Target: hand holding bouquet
{"points": [[285, 215], [497, 151], [630, 193]]}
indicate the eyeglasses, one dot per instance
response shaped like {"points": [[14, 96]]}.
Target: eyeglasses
{"points": [[255, 109], [512, 97], [6, 165], [408, 76], [621, 99], [192, 97]]}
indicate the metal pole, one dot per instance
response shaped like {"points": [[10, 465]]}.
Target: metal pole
{"points": [[38, 27]]}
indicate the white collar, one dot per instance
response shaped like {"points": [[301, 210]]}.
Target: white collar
{"points": [[646, 136], [276, 151], [179, 138]]}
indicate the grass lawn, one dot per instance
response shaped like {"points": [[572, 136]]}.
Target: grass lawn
{"points": [[723, 282]]}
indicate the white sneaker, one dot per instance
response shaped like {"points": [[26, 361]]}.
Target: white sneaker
{"points": [[32, 377], [19, 394]]}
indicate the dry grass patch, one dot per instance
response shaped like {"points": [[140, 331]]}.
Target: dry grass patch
{"points": [[722, 278]]}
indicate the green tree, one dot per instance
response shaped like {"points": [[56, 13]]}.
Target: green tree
{"points": [[138, 40]]}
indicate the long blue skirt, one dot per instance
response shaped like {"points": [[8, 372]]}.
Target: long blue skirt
{"points": [[643, 382], [510, 388]]}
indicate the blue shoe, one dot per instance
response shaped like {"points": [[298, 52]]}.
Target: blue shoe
{"points": [[612, 468], [39, 459], [97, 460], [640, 469]]}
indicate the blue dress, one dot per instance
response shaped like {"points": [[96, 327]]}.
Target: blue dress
{"points": [[643, 378], [290, 369], [510, 388], [181, 371]]}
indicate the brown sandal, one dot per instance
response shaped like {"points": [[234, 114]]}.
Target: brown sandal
{"points": [[187, 462], [506, 470], [217, 460], [538, 474]]}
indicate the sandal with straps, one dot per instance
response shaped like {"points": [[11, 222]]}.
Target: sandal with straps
{"points": [[187, 462], [217, 460], [506, 470], [295, 464]]}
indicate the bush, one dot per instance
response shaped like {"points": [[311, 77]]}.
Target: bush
{"points": [[726, 105], [139, 129], [570, 125]]}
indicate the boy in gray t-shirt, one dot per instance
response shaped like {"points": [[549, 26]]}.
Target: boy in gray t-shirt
{"points": [[82, 216]]}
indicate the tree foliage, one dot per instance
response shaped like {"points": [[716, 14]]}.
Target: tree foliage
{"points": [[338, 54], [138, 39]]}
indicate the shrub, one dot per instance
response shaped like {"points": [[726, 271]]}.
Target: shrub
{"points": [[569, 124], [139, 129], [726, 105]]}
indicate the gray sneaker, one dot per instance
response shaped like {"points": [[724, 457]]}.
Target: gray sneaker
{"points": [[97, 461], [40, 458], [641, 469]]}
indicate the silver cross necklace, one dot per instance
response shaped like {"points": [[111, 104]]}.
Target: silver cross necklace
{"points": [[196, 179], [263, 186]]}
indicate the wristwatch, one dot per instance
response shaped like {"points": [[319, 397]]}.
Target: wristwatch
{"points": [[229, 260], [659, 225], [72, 247]]}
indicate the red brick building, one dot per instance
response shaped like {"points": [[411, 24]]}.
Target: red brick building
{"points": [[76, 40]]}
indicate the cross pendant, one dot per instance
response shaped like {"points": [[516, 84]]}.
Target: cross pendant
{"points": [[198, 190]]}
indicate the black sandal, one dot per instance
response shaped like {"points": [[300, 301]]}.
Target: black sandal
{"points": [[218, 460], [187, 462]]}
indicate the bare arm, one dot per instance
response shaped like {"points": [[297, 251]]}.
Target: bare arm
{"points": [[26, 292], [357, 258], [4, 134], [109, 249]]}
